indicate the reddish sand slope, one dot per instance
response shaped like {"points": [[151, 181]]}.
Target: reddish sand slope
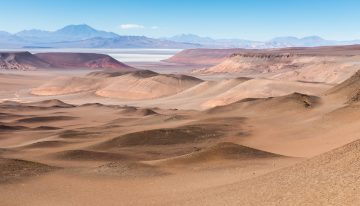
{"points": [[215, 56], [328, 179], [136, 85], [202, 56], [287, 66], [348, 90]]}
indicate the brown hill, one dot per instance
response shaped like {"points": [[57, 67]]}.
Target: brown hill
{"points": [[21, 61], [82, 60], [349, 90]]}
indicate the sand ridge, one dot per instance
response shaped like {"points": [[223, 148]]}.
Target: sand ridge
{"points": [[146, 88]]}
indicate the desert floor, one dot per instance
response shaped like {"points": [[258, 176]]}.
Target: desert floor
{"points": [[71, 138]]}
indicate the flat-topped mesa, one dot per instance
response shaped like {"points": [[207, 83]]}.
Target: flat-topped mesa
{"points": [[21, 61], [211, 57], [60, 60], [267, 55], [258, 62], [83, 60]]}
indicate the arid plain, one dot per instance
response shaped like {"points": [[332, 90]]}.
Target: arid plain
{"points": [[204, 127]]}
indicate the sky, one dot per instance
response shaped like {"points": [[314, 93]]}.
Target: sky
{"points": [[244, 19]]}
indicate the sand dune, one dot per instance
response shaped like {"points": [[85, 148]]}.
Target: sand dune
{"points": [[347, 90], [105, 74], [131, 86], [208, 89], [5, 115], [45, 104], [261, 88], [73, 134], [4, 127], [181, 135], [44, 119], [194, 97], [44, 144], [128, 169], [86, 155], [173, 91], [137, 111], [219, 152], [287, 103], [67, 85], [14, 169], [329, 179], [51, 103]]}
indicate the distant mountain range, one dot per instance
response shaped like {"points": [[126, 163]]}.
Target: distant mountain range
{"points": [[68, 33], [84, 36], [278, 42], [216, 43]]}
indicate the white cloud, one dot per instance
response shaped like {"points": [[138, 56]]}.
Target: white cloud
{"points": [[131, 26]]}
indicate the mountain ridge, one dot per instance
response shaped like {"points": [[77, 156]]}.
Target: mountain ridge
{"points": [[82, 36], [85, 36], [277, 42]]}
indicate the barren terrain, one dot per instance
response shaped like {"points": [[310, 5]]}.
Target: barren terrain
{"points": [[256, 127]]}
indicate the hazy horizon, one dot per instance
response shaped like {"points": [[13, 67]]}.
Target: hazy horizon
{"points": [[252, 20], [185, 34]]}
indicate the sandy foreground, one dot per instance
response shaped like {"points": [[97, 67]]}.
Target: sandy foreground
{"points": [[228, 141]]}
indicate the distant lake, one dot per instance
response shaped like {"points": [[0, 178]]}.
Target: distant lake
{"points": [[123, 55]]}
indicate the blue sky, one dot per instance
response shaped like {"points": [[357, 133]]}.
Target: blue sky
{"points": [[251, 19]]}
